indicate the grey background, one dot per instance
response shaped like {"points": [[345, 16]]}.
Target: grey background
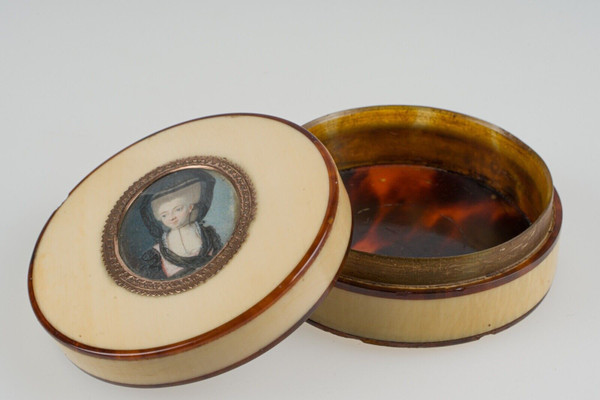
{"points": [[81, 80]]}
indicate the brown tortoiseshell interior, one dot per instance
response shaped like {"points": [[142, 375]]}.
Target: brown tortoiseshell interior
{"points": [[423, 141], [417, 211]]}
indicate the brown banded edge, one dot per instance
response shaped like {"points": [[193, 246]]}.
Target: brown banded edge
{"points": [[290, 280]]}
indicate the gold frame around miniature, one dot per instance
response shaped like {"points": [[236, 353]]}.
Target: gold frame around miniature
{"points": [[126, 278]]}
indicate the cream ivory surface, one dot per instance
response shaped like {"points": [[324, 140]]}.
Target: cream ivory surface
{"points": [[241, 343], [78, 297], [421, 321]]}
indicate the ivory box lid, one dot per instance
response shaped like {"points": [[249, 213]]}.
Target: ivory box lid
{"points": [[192, 251]]}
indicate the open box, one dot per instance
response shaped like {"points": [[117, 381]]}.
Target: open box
{"points": [[141, 290], [483, 281]]}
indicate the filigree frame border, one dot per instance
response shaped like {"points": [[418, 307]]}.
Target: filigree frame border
{"points": [[126, 278]]}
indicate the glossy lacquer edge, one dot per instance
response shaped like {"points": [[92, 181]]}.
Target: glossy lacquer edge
{"points": [[485, 284], [290, 280]]}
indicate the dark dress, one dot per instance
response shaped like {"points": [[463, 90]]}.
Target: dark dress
{"points": [[153, 262]]}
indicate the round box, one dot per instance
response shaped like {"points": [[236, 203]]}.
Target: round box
{"points": [[436, 298], [203, 245], [191, 251]]}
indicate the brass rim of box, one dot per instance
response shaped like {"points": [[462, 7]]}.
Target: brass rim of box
{"points": [[271, 298], [454, 142]]}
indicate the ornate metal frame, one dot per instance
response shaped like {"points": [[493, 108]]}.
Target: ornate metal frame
{"points": [[126, 278]]}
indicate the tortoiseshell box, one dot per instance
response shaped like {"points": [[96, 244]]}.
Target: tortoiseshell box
{"points": [[456, 226]]}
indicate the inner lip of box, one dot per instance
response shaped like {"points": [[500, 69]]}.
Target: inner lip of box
{"points": [[432, 138]]}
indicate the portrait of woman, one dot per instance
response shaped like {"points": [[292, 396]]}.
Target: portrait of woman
{"points": [[172, 209], [165, 234]]}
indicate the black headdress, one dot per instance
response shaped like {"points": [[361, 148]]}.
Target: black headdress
{"points": [[170, 185]]}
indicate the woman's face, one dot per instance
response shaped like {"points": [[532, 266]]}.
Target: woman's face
{"points": [[175, 213]]}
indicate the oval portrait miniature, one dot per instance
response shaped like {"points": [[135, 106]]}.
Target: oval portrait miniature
{"points": [[178, 225]]}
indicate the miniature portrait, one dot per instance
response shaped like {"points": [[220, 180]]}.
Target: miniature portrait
{"points": [[178, 224]]}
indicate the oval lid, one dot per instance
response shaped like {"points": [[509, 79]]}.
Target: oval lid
{"points": [[189, 236]]}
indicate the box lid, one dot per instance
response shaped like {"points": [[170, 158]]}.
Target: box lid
{"points": [[192, 251]]}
